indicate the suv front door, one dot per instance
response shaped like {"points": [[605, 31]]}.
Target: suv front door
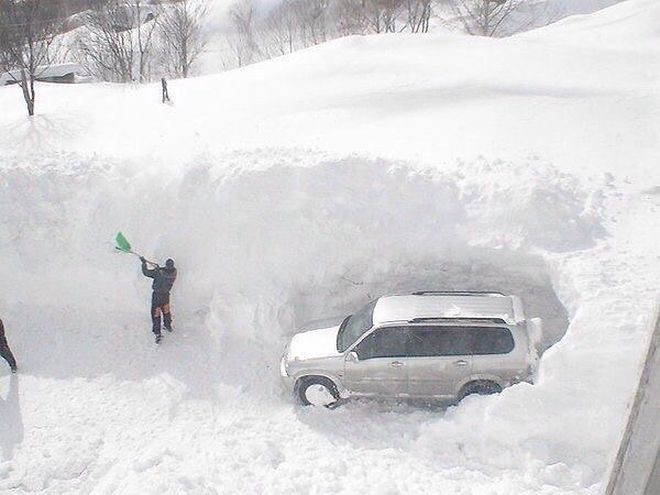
{"points": [[381, 367], [440, 360]]}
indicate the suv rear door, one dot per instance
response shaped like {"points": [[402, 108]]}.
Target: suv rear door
{"points": [[382, 364], [440, 360], [495, 353]]}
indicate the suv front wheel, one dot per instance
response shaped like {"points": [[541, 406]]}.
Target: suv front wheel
{"points": [[316, 391]]}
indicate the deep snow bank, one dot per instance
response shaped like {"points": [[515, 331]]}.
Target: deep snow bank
{"points": [[287, 233], [261, 251], [298, 236]]}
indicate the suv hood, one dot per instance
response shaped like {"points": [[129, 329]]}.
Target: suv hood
{"points": [[314, 344]]}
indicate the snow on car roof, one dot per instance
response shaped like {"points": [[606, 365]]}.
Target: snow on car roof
{"points": [[406, 308]]}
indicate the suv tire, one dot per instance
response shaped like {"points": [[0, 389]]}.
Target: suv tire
{"points": [[316, 391], [481, 387]]}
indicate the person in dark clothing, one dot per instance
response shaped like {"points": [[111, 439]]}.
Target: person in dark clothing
{"points": [[160, 299], [5, 351], [166, 95]]}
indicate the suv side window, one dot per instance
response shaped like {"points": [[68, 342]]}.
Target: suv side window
{"points": [[459, 341], [440, 341], [492, 341], [384, 343]]}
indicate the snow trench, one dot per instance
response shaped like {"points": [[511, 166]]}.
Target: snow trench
{"points": [[333, 236], [266, 243], [262, 253]]}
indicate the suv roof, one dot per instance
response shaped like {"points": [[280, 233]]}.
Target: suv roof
{"points": [[446, 305]]}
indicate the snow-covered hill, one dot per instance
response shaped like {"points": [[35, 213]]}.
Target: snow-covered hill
{"points": [[534, 13], [294, 190], [538, 13]]}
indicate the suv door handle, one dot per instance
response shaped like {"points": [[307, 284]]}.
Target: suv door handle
{"points": [[461, 362], [396, 364]]}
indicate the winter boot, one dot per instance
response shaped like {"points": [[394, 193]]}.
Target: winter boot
{"points": [[156, 325], [167, 321]]}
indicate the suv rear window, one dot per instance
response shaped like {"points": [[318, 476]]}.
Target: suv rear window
{"points": [[492, 341]]}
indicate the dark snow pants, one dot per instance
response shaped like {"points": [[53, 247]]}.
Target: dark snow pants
{"points": [[160, 304], [5, 351]]}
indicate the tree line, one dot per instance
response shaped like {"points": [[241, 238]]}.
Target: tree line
{"points": [[294, 24], [143, 40]]}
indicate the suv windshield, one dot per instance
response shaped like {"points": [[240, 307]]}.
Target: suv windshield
{"points": [[354, 326]]}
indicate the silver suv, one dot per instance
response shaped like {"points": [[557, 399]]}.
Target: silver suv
{"points": [[427, 345]]}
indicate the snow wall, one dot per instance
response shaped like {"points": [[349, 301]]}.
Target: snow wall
{"points": [[269, 240], [263, 252]]}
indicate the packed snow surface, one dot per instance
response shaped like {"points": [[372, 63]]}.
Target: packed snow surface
{"points": [[296, 190]]}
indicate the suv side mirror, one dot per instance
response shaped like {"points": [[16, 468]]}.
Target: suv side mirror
{"points": [[352, 357]]}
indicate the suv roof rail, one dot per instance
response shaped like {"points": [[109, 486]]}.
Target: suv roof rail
{"points": [[458, 293], [454, 320]]}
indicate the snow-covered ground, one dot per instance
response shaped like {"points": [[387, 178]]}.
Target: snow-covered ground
{"points": [[294, 190]]}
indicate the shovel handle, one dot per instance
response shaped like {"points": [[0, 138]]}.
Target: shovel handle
{"points": [[140, 256], [146, 260]]}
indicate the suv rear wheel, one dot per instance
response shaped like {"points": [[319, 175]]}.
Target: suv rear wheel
{"points": [[316, 391], [481, 387]]}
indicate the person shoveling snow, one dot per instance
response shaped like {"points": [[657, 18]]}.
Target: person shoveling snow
{"points": [[163, 281], [160, 299]]}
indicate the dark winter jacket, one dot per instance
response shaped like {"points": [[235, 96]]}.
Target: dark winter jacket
{"points": [[163, 278]]}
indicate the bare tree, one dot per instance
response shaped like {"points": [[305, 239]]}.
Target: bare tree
{"points": [[183, 36], [312, 20], [350, 17], [145, 23], [28, 29], [294, 24], [281, 28], [106, 47], [242, 42], [382, 15], [118, 39], [485, 17], [418, 15]]}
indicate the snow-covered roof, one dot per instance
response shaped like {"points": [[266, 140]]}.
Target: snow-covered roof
{"points": [[43, 71], [487, 305]]}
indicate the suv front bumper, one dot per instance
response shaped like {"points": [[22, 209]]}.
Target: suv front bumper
{"points": [[287, 380]]}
